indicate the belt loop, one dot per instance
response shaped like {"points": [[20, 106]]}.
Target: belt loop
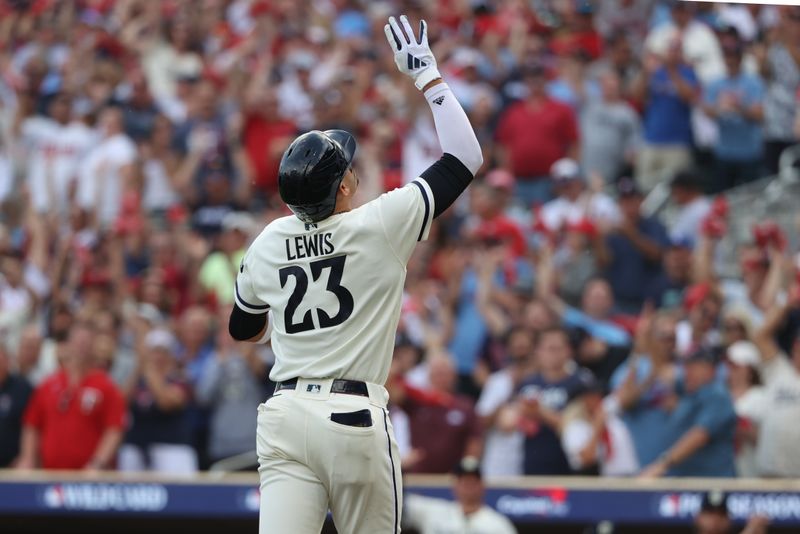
{"points": [[378, 395]]}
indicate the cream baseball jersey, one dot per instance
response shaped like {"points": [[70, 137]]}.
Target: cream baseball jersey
{"points": [[333, 288]]}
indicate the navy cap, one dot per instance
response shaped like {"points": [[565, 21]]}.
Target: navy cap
{"points": [[681, 242], [627, 187], [715, 501], [703, 355], [469, 465]]}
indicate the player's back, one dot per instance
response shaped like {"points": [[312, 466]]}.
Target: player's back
{"points": [[334, 288]]}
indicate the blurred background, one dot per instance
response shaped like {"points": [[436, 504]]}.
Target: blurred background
{"points": [[613, 305]]}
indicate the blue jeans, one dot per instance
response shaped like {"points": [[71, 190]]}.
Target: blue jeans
{"points": [[532, 191]]}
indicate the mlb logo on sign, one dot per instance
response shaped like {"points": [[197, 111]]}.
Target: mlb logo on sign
{"points": [[313, 388]]}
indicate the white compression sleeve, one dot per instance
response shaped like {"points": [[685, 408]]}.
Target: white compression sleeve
{"points": [[453, 128]]}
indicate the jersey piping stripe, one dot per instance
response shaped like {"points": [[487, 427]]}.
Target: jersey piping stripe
{"points": [[247, 304], [391, 464], [427, 209]]}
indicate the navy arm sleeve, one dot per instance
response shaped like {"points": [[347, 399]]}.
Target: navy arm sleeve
{"points": [[243, 326], [447, 178]]}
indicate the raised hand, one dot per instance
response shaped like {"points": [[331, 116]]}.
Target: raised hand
{"points": [[413, 57]]}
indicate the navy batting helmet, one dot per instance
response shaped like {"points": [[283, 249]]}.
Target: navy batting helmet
{"points": [[311, 170]]}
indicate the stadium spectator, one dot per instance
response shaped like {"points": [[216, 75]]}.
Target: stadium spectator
{"points": [[623, 18], [577, 260], [701, 425], [541, 401], [779, 63], [161, 170], [54, 343], [597, 356], [570, 83], [17, 297], [749, 398], [700, 328], [467, 514], [439, 407], [196, 352], [232, 384], [760, 271], [667, 286], [265, 133], [610, 131], [635, 250], [218, 271], [667, 89], [15, 392], [497, 246], [55, 146], [594, 438], [714, 517], [502, 452], [296, 94], [597, 304], [575, 202], [194, 347], [695, 41], [619, 58], [108, 170], [693, 207], [644, 384], [578, 33], [167, 54], [736, 327], [776, 447], [204, 140], [159, 437], [27, 358], [75, 401], [735, 102], [139, 109], [533, 134]]}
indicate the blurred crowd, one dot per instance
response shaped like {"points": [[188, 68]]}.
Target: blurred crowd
{"points": [[548, 327]]}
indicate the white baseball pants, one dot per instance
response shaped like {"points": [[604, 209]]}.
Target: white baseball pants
{"points": [[309, 464]]}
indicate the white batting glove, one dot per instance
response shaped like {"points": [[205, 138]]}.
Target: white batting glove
{"points": [[412, 57]]}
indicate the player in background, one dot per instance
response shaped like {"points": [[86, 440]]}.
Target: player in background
{"points": [[324, 286], [467, 514]]}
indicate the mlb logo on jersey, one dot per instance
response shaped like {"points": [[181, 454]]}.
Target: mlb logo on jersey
{"points": [[313, 388]]}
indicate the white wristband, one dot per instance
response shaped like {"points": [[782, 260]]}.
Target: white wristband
{"points": [[426, 76]]}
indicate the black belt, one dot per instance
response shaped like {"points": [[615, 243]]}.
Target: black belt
{"points": [[340, 385]]}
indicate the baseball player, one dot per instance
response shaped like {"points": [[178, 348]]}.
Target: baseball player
{"points": [[325, 286]]}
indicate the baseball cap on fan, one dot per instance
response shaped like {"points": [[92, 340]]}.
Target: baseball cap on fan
{"points": [[160, 339], [239, 220], [627, 187], [565, 171], [501, 179], [466, 57], [744, 353]]}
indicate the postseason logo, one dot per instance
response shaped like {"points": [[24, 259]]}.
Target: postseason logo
{"points": [[105, 497], [776, 506]]}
